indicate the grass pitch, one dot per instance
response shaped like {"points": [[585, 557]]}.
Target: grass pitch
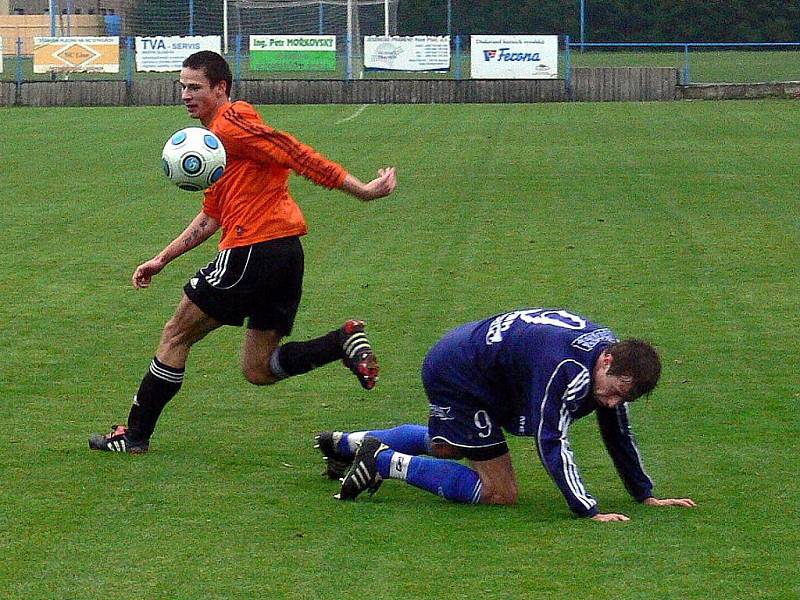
{"points": [[677, 222]]}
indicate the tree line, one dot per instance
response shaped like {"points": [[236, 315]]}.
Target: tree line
{"points": [[610, 20]]}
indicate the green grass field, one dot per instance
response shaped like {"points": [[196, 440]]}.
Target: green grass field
{"points": [[677, 222]]}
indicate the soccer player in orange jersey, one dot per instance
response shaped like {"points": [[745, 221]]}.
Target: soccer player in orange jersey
{"points": [[258, 272]]}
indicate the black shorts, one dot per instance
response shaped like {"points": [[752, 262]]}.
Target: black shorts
{"points": [[262, 283]]}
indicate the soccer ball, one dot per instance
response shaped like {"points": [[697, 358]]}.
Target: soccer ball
{"points": [[193, 158]]}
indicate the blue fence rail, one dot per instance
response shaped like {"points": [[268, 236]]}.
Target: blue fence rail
{"points": [[460, 56], [686, 71]]}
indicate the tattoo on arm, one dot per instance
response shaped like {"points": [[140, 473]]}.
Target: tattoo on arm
{"points": [[196, 233]]}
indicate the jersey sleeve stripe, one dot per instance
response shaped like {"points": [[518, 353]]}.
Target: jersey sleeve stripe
{"points": [[569, 471], [327, 175]]}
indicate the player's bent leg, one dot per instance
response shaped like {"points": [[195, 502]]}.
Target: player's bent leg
{"points": [[375, 461], [498, 480], [409, 438], [258, 347], [187, 326], [349, 344], [339, 447]]}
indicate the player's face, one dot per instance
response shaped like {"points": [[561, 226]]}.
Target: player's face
{"points": [[200, 98], [610, 390]]}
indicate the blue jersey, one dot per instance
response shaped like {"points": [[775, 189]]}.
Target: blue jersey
{"points": [[534, 371]]}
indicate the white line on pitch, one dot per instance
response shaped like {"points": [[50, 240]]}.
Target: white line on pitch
{"points": [[361, 109]]}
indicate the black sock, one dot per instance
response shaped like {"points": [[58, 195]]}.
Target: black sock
{"points": [[158, 387], [295, 358]]}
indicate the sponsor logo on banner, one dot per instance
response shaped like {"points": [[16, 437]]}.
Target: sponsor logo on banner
{"points": [[514, 57], [76, 54], [417, 53], [167, 53], [293, 52]]}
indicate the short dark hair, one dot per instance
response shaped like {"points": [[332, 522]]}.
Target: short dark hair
{"points": [[640, 361], [213, 65]]}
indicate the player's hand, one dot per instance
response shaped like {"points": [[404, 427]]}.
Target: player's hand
{"points": [[382, 185], [606, 517], [145, 271], [684, 502]]}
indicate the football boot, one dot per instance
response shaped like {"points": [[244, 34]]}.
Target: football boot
{"points": [[117, 441], [358, 354]]}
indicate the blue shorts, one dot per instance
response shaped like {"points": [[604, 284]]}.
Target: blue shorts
{"points": [[460, 416]]}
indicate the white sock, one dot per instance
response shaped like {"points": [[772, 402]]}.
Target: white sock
{"points": [[398, 466], [354, 439]]}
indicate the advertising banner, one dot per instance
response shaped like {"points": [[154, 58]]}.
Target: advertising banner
{"points": [[76, 54], [514, 56], [293, 52], [163, 54], [1, 55], [417, 53]]}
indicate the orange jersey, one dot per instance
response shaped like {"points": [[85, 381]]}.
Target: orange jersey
{"points": [[252, 200]]}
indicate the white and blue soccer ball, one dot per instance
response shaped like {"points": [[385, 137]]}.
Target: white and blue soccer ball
{"points": [[193, 158]]}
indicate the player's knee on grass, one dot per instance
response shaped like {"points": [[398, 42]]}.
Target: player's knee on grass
{"points": [[505, 495], [498, 480]]}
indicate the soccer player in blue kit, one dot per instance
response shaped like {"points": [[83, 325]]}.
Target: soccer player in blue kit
{"points": [[528, 372]]}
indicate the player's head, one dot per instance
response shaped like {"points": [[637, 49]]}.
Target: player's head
{"points": [[214, 66], [205, 85], [640, 361], [626, 371]]}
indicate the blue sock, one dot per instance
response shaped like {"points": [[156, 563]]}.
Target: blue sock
{"points": [[408, 439], [449, 479]]}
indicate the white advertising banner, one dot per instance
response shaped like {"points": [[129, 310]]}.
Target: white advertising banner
{"points": [[166, 53], [76, 54], [514, 56], [411, 53], [1, 55]]}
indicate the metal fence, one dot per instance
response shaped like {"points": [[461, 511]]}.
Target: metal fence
{"points": [[697, 62], [743, 62]]}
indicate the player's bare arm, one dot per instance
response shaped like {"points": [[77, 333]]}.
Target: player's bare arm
{"points": [[683, 502], [383, 185], [199, 230]]}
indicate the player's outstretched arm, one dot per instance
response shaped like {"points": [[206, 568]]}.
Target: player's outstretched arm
{"points": [[381, 186], [199, 230], [684, 502]]}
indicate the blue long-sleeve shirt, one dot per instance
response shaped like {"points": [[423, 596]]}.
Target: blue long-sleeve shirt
{"points": [[534, 369]]}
